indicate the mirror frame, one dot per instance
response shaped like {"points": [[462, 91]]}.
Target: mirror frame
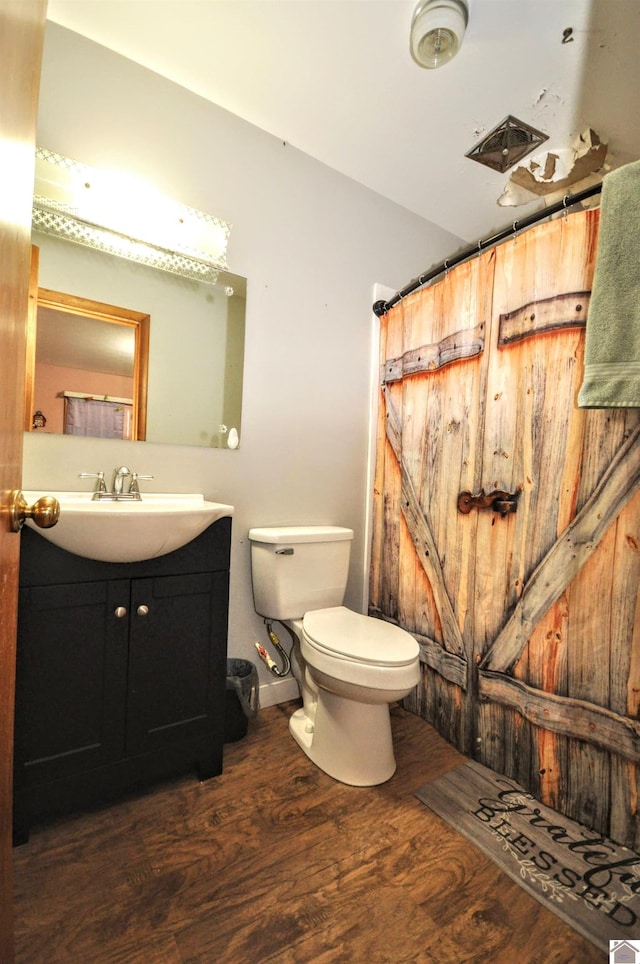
{"points": [[111, 314]]}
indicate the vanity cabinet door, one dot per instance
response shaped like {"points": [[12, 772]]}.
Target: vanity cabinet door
{"points": [[70, 678], [177, 661]]}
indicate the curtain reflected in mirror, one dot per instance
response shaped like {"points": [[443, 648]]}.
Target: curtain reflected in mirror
{"points": [[98, 417], [166, 352]]}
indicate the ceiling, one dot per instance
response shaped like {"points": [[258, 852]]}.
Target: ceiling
{"points": [[77, 341], [334, 78]]}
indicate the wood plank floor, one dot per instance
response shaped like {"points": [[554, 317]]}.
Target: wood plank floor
{"points": [[275, 862]]}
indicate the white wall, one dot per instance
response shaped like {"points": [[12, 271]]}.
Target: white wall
{"points": [[311, 242]]}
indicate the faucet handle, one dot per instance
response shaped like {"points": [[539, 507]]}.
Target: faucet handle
{"points": [[134, 488], [99, 476]]}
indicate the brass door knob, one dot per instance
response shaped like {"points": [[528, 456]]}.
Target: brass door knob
{"points": [[45, 512]]}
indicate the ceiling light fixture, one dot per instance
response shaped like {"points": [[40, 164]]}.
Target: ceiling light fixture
{"points": [[437, 29]]}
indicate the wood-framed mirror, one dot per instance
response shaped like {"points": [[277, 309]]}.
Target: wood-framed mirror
{"points": [[83, 350]]}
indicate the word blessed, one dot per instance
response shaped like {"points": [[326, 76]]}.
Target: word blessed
{"points": [[605, 876]]}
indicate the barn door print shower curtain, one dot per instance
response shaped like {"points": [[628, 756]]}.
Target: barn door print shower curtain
{"points": [[507, 525]]}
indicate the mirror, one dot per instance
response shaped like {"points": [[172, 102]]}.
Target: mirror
{"points": [[187, 336]]}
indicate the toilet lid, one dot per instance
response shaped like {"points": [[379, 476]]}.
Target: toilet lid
{"points": [[348, 635]]}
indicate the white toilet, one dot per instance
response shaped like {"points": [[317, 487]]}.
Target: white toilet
{"points": [[349, 667]]}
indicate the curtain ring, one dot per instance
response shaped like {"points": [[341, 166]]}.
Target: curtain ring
{"points": [[446, 265], [565, 213]]}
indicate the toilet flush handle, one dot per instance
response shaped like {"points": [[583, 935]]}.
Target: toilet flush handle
{"points": [[288, 551]]}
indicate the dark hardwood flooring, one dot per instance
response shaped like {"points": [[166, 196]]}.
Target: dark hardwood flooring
{"points": [[275, 862]]}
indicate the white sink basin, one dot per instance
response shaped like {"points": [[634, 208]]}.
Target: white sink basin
{"points": [[127, 531]]}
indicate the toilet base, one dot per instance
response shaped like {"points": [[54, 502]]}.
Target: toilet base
{"points": [[350, 741]]}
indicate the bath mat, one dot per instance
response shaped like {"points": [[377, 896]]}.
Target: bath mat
{"points": [[590, 882]]}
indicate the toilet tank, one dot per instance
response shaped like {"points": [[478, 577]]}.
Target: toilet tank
{"points": [[295, 569]]}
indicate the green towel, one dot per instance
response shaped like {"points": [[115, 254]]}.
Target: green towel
{"points": [[612, 348]]}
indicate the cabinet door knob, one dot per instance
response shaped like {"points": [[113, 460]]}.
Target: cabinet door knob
{"points": [[120, 612], [143, 610]]}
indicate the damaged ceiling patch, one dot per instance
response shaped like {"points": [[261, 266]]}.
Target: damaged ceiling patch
{"points": [[506, 144], [552, 172]]}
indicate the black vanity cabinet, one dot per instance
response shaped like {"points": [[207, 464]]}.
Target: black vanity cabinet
{"points": [[120, 672]]}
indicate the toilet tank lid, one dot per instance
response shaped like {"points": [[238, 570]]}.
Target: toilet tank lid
{"points": [[293, 534]]}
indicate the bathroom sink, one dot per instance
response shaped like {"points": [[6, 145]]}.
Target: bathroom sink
{"points": [[127, 531]]}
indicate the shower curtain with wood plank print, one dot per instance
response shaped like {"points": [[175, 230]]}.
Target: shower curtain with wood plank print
{"points": [[525, 603]]}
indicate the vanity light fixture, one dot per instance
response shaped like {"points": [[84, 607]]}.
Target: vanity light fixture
{"points": [[437, 29], [116, 214]]}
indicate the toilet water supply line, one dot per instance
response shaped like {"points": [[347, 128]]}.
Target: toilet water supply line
{"points": [[264, 655]]}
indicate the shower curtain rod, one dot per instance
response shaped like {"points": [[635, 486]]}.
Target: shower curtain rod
{"points": [[382, 307]]}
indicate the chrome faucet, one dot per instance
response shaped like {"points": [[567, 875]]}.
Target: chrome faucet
{"points": [[117, 492], [119, 475], [133, 492]]}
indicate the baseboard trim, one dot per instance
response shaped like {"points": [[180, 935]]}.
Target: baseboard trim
{"points": [[280, 691]]}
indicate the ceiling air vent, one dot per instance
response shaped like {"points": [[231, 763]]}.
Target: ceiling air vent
{"points": [[507, 144]]}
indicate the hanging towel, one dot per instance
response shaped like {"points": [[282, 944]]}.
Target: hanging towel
{"points": [[612, 348], [92, 416]]}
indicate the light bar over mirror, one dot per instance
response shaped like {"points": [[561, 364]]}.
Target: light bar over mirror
{"points": [[121, 215]]}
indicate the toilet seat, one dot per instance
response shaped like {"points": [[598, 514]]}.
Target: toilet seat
{"points": [[342, 634]]}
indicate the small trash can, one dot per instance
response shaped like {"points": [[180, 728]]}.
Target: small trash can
{"points": [[242, 698]]}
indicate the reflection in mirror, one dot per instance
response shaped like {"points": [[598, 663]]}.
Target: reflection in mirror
{"points": [[195, 340], [89, 373]]}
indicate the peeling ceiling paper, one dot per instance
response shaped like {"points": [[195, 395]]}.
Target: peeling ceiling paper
{"points": [[552, 172]]}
